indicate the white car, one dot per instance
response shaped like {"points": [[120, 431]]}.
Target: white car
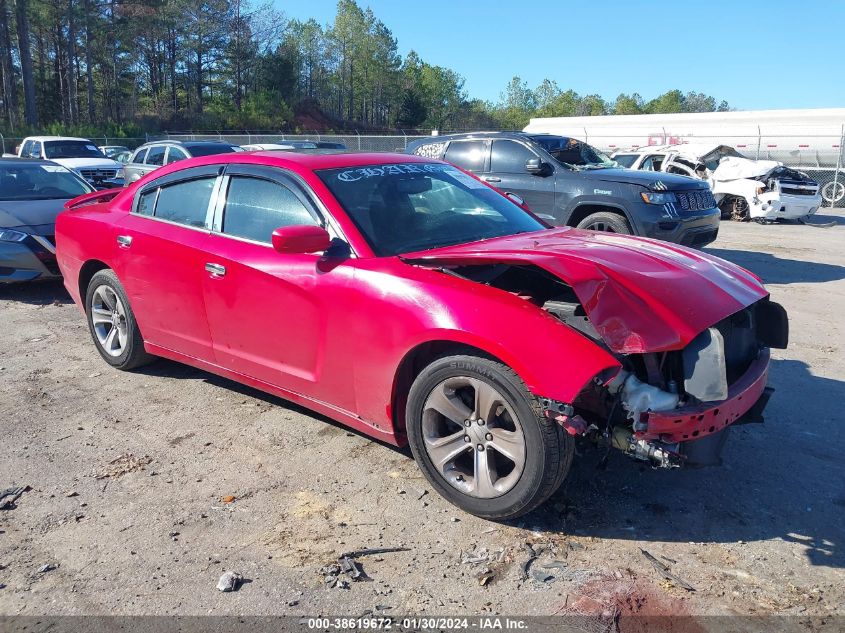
{"points": [[285, 146], [745, 189], [78, 154]]}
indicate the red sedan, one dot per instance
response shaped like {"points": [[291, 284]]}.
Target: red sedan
{"points": [[416, 304]]}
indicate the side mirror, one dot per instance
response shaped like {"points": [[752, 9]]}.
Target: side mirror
{"points": [[537, 167], [301, 239]]}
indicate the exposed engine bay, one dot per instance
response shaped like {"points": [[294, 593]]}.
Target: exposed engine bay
{"points": [[667, 408]]}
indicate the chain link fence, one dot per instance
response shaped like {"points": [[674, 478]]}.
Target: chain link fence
{"points": [[819, 155], [352, 141]]}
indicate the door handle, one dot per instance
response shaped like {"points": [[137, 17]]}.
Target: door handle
{"points": [[124, 241], [491, 179], [216, 270]]}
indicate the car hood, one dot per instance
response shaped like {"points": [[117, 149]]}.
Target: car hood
{"points": [[88, 163], [641, 295], [27, 213], [649, 180], [734, 168]]}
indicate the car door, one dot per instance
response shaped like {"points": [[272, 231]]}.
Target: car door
{"points": [[161, 259], [134, 169], [507, 173], [269, 312]]}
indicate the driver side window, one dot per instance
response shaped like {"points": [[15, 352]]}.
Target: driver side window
{"points": [[256, 207], [509, 157]]}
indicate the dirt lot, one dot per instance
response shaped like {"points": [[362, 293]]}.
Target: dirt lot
{"points": [[762, 534]]}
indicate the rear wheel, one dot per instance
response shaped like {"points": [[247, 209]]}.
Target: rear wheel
{"points": [[112, 323], [480, 438], [606, 221]]}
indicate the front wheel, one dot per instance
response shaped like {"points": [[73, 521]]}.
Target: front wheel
{"points": [[480, 438], [605, 221], [112, 323]]}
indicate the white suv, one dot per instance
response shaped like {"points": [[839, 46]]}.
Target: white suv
{"points": [[78, 154]]}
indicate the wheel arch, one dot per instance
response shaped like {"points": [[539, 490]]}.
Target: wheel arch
{"points": [[86, 272], [584, 209], [414, 361]]}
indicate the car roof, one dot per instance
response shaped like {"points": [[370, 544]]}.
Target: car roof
{"points": [[57, 138], [187, 143], [296, 161]]}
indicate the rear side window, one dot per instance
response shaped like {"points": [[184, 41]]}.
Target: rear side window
{"points": [[175, 154], [256, 207], [467, 155], [156, 155], [509, 157], [146, 202], [184, 202]]}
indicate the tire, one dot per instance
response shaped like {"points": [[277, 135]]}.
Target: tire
{"points": [[124, 349], [606, 221], [449, 383]]}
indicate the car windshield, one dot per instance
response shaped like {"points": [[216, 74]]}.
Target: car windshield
{"points": [[71, 149], [712, 160], [407, 207], [212, 148], [40, 182], [573, 153]]}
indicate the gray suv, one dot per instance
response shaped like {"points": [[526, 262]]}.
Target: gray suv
{"points": [[569, 183], [151, 156]]}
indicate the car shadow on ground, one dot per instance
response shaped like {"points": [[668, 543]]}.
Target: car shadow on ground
{"points": [[164, 368], [774, 270], [48, 292], [779, 480]]}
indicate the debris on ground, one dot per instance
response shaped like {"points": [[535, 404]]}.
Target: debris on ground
{"points": [[227, 499], [45, 568], [352, 568], [664, 571], [10, 495], [230, 581], [482, 555], [368, 551], [337, 575], [126, 463]]}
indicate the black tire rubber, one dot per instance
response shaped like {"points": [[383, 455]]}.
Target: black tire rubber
{"points": [[134, 355], [549, 449], [615, 221]]}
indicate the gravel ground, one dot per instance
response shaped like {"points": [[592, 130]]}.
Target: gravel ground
{"points": [[147, 486]]}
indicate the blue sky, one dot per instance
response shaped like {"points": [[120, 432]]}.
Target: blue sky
{"points": [[755, 54]]}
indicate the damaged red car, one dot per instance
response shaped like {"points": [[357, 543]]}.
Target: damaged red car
{"points": [[408, 300]]}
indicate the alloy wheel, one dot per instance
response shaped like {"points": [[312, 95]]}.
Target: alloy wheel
{"points": [[473, 437], [108, 317]]}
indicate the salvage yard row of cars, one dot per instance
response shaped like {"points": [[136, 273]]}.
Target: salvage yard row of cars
{"points": [[452, 309]]}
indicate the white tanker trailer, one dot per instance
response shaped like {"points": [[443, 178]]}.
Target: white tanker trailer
{"points": [[810, 140]]}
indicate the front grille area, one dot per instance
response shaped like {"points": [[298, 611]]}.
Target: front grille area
{"points": [[697, 200], [98, 174], [794, 191]]}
